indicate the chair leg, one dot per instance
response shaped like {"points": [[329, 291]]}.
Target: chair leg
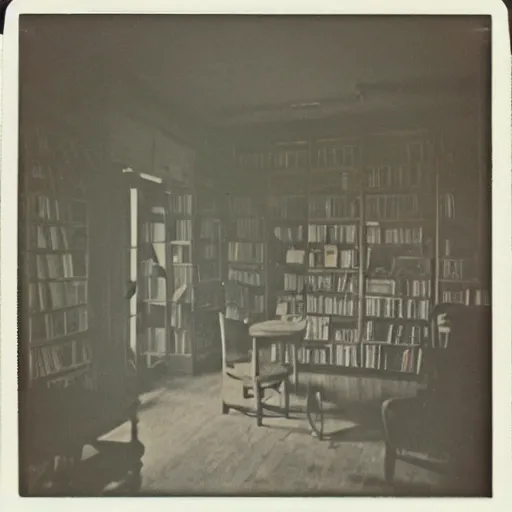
{"points": [[286, 396], [259, 405], [225, 408], [389, 463]]}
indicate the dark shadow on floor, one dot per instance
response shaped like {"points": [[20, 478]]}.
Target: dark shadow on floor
{"points": [[114, 471]]}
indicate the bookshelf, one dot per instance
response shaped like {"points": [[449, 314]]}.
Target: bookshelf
{"points": [[460, 274], [154, 299], [245, 241], [360, 224], [55, 343], [334, 255], [183, 277], [400, 232]]}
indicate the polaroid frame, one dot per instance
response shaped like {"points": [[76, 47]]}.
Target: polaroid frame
{"points": [[501, 249]]}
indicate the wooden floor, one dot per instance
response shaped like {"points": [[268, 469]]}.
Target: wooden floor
{"points": [[191, 448]]}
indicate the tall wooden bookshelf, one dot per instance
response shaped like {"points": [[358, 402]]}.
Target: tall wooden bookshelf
{"points": [[55, 342], [182, 277], [400, 232], [178, 272], [334, 263], [360, 249], [245, 245], [461, 275], [154, 300]]}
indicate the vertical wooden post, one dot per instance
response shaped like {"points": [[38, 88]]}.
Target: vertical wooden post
{"points": [[362, 247]]}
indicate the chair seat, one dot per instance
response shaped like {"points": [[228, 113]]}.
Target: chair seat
{"points": [[270, 373], [233, 358], [277, 329]]}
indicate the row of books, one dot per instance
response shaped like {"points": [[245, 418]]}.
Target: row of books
{"points": [[58, 266], [318, 328], [183, 230], [323, 233], [181, 344], [375, 234], [447, 206], [181, 204], [289, 234], [154, 288], [387, 307], [333, 207], [63, 322], [293, 283], [52, 359], [387, 176], [155, 340], [183, 280], [373, 357], [50, 209], [153, 232], [455, 269], [248, 277], [392, 206], [243, 207], [379, 357], [58, 238], [307, 355], [344, 283], [290, 304], [289, 208], [467, 296], [45, 296], [331, 257], [335, 154], [248, 228], [342, 305], [346, 334], [279, 159], [244, 298], [209, 228], [181, 253], [246, 252], [446, 247], [404, 287], [346, 356], [396, 334], [326, 154]]}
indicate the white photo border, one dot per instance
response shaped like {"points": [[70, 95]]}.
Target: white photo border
{"points": [[501, 248]]}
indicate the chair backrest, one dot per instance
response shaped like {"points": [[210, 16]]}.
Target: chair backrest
{"points": [[235, 339]]}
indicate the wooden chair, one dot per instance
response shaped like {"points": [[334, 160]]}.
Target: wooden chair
{"points": [[241, 363], [446, 428]]}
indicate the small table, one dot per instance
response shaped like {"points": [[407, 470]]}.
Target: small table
{"points": [[284, 332]]}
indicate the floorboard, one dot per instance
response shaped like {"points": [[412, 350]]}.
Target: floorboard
{"points": [[191, 448]]}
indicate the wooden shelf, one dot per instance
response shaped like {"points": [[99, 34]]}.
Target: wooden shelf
{"points": [[66, 371], [58, 340]]}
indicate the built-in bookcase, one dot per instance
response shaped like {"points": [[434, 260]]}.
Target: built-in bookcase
{"points": [[356, 230], [55, 342], [176, 265], [183, 277]]}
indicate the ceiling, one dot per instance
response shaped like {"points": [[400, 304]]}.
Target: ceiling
{"points": [[225, 67]]}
